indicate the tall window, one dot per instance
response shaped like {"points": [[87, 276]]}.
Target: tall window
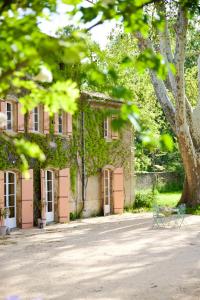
{"points": [[107, 186], [49, 190], [60, 123], [106, 128], [10, 193], [9, 116], [36, 119]]}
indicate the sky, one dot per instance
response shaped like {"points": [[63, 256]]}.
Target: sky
{"points": [[99, 33]]}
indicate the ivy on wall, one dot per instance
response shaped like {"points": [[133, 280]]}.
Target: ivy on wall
{"points": [[61, 152], [98, 151]]}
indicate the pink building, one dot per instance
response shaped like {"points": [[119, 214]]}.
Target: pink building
{"points": [[53, 200]]}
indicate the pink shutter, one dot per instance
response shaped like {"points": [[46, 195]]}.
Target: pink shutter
{"points": [[3, 106], [3, 110], [30, 121], [27, 201], [20, 118], [118, 191], [56, 123], [1, 192], [1, 189], [69, 124], [63, 195], [43, 195], [46, 122], [114, 134]]}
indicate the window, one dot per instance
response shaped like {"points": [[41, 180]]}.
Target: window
{"points": [[9, 115], [107, 186], [36, 119], [109, 133], [106, 128], [60, 123], [49, 190], [10, 193]]}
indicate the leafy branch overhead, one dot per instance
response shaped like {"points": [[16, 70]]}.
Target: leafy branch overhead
{"points": [[26, 50]]}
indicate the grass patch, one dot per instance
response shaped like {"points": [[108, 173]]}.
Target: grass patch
{"points": [[145, 200], [193, 211], [168, 199]]}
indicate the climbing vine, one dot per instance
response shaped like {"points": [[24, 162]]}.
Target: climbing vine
{"points": [[62, 152], [98, 151]]}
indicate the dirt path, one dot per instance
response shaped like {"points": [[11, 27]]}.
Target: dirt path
{"points": [[115, 257]]}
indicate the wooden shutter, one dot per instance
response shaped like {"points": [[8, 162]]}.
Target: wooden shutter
{"points": [[1, 189], [20, 118], [63, 195], [2, 192], [118, 191], [27, 201], [46, 122], [43, 195], [114, 133], [102, 190], [56, 123], [69, 124], [3, 110], [3, 106]]}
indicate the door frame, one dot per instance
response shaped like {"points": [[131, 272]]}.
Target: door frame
{"points": [[10, 222], [49, 215], [107, 208]]}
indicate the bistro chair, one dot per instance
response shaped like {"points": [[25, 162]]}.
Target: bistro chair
{"points": [[158, 217]]}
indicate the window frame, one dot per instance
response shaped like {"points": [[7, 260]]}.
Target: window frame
{"points": [[106, 128], [60, 124], [6, 191], [11, 115], [34, 121], [52, 190], [107, 186]]}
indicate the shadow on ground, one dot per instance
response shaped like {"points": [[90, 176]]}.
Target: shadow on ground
{"points": [[116, 257]]}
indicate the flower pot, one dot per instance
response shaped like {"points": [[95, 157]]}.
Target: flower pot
{"points": [[3, 230], [41, 223]]}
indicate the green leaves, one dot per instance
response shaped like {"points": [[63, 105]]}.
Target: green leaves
{"points": [[148, 59], [152, 141], [60, 95], [25, 148]]}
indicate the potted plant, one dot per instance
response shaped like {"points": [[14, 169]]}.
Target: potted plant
{"points": [[4, 212], [42, 220]]}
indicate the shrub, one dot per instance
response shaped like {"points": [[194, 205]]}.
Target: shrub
{"points": [[170, 186], [144, 200], [75, 215]]}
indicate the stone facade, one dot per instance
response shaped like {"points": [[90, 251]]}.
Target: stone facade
{"points": [[105, 193], [121, 172]]}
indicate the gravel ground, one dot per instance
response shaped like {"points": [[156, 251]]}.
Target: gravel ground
{"points": [[114, 257]]}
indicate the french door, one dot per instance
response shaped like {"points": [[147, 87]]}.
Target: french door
{"points": [[49, 183], [107, 191], [10, 198]]}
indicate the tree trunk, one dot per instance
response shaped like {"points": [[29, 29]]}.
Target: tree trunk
{"points": [[191, 193], [191, 162]]}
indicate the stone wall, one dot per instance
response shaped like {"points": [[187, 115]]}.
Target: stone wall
{"points": [[146, 181]]}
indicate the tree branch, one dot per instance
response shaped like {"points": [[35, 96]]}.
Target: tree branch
{"points": [[159, 86], [166, 104], [165, 42], [182, 23]]}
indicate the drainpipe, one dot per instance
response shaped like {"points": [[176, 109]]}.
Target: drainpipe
{"points": [[83, 158]]}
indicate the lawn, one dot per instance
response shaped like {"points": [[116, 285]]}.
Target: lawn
{"points": [[168, 199]]}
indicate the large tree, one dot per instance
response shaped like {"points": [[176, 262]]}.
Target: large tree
{"points": [[171, 93], [161, 27]]}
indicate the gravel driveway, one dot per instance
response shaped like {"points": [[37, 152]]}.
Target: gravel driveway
{"points": [[115, 257]]}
